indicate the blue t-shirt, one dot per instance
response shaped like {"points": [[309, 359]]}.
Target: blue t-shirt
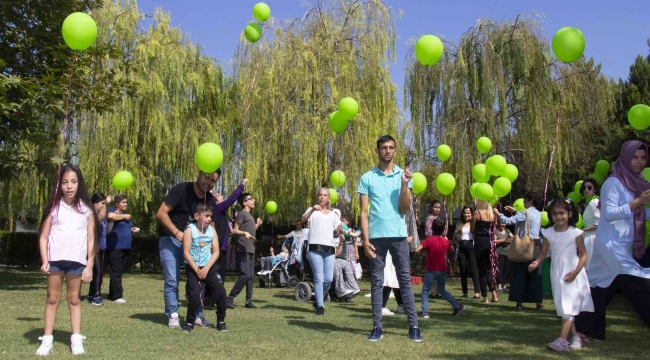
{"points": [[385, 219], [121, 236], [201, 249], [102, 239]]}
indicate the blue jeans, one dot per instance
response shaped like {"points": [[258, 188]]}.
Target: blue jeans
{"points": [[322, 265], [171, 258], [440, 277]]}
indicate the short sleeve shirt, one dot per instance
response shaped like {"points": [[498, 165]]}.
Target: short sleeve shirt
{"points": [[385, 219], [182, 198], [246, 223]]}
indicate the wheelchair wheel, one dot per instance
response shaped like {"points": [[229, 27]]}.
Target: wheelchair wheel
{"points": [[303, 292], [292, 282]]}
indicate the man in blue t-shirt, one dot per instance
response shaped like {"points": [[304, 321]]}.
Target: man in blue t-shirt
{"points": [[386, 189]]}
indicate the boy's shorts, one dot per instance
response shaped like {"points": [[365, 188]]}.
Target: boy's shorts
{"points": [[67, 267]]}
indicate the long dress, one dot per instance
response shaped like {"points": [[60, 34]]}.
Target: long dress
{"points": [[571, 298], [591, 217]]}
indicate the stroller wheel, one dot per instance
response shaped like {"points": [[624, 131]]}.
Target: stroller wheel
{"points": [[292, 282], [303, 292]]}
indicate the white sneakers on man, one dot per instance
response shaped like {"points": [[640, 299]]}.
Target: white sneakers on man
{"points": [[174, 321]]}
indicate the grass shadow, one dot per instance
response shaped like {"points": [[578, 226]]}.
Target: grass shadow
{"points": [[289, 308], [325, 327], [60, 336], [14, 279], [28, 319], [155, 318]]}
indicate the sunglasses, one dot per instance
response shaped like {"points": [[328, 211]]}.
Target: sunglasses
{"points": [[588, 187]]}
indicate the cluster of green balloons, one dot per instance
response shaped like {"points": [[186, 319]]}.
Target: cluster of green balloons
{"points": [[428, 50], [122, 180], [271, 207], [495, 165], [601, 170], [253, 31], [209, 157], [79, 31], [639, 117], [568, 44], [347, 111], [337, 178]]}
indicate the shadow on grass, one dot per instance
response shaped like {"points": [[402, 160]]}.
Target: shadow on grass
{"points": [[325, 327], [14, 279], [28, 319], [285, 296], [289, 308], [60, 336], [156, 318]]}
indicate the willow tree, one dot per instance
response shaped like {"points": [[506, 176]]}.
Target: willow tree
{"points": [[180, 103], [288, 85], [501, 81]]}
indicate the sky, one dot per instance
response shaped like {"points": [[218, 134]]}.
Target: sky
{"points": [[615, 31]]}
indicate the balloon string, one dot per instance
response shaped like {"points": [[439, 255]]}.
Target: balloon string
{"points": [[63, 131], [557, 133], [444, 205]]}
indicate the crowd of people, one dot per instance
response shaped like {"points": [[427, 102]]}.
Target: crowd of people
{"points": [[588, 267]]}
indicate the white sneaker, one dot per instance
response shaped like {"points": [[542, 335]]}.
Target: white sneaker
{"points": [[46, 345], [387, 312], [120, 301], [400, 309], [77, 344], [576, 343], [368, 295], [174, 321]]}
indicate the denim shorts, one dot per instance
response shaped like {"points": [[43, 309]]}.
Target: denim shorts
{"points": [[67, 267]]}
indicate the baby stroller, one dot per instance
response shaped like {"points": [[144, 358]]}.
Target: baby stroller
{"points": [[304, 289], [279, 273]]}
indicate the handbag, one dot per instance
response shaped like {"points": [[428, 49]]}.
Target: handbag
{"points": [[358, 272], [522, 248]]}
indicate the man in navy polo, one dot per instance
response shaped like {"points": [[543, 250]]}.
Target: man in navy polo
{"points": [[386, 188]]}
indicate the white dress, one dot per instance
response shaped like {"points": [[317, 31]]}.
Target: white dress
{"points": [[570, 298], [590, 217], [390, 275], [614, 237]]}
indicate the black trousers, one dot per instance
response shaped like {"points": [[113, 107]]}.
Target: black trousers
{"points": [[386, 295], [482, 249], [635, 289], [504, 270], [118, 260], [95, 287], [468, 266], [221, 262], [213, 285], [246, 264]]}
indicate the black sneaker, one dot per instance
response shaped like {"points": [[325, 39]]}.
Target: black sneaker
{"points": [[221, 327], [424, 315], [229, 303], [414, 334], [188, 328], [89, 299], [459, 310], [250, 305], [464, 296], [376, 334], [320, 311]]}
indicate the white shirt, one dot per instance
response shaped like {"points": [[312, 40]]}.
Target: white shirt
{"points": [[321, 227]]}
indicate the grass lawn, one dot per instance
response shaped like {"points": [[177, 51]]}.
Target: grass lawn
{"points": [[285, 329]]}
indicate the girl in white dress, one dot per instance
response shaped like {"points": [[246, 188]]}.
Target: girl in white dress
{"points": [[568, 278]]}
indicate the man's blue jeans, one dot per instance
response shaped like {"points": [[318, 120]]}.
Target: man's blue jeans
{"points": [[171, 258]]}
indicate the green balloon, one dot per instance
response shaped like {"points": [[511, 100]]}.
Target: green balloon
{"points": [[446, 183], [271, 207], [602, 167], [79, 31], [419, 183], [209, 157], [444, 152], [472, 189], [348, 108], [480, 174], [577, 187], [494, 200], [568, 44], [428, 50], [502, 187], [646, 174], [334, 196], [519, 205], [580, 224], [599, 178], [483, 144], [545, 220], [495, 165], [337, 178], [510, 172], [253, 32], [122, 180], [484, 192], [575, 197], [261, 12], [337, 122], [639, 117]]}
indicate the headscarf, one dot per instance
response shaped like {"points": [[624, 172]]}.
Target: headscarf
{"points": [[636, 184]]}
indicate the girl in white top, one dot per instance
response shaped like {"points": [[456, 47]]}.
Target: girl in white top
{"points": [[466, 256], [68, 243], [591, 215], [568, 277], [322, 224]]}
